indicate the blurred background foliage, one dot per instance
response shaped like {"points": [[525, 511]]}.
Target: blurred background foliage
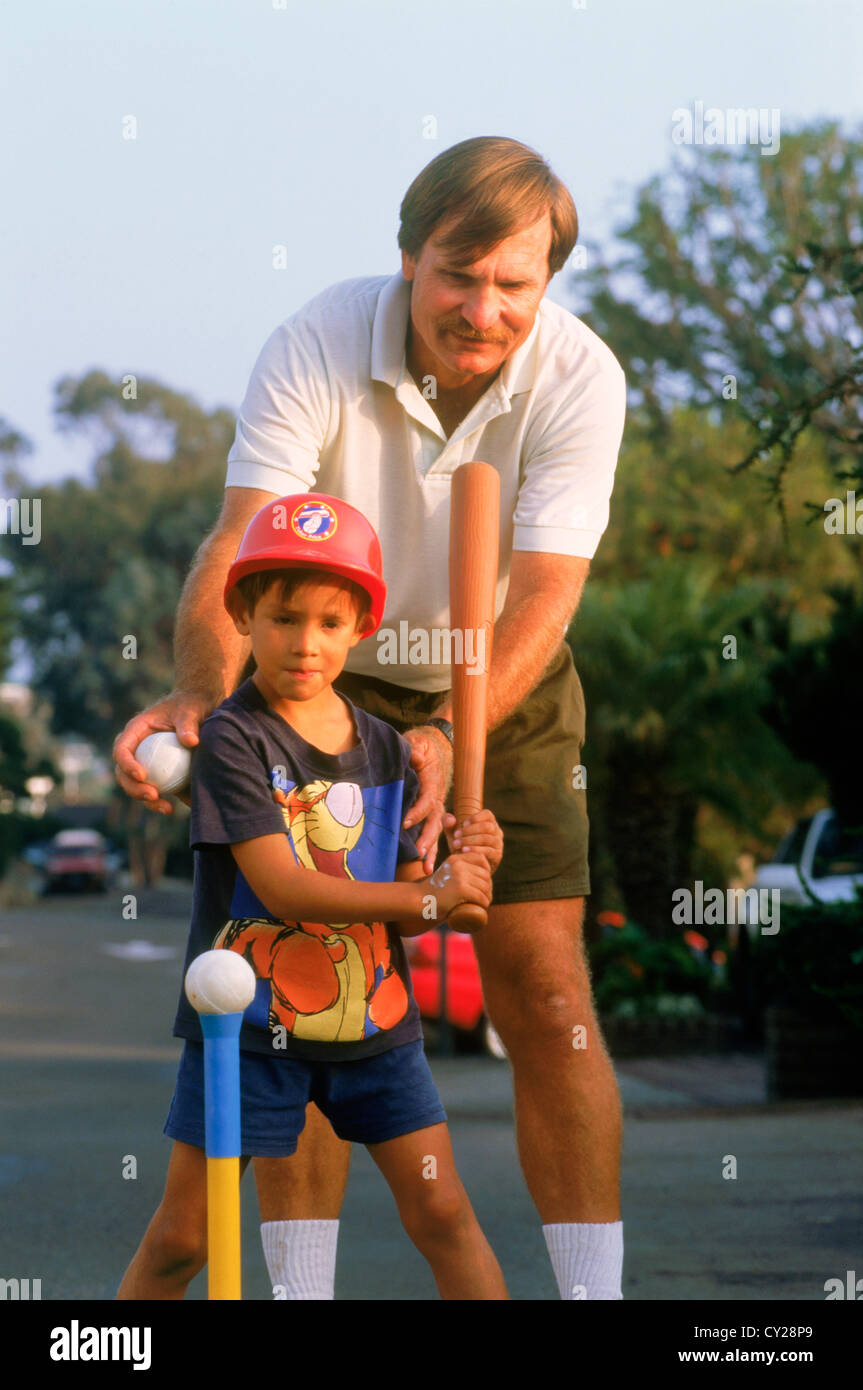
{"points": [[94, 603], [115, 551], [732, 298]]}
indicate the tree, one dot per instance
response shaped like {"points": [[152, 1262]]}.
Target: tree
{"points": [[674, 723], [733, 301], [14, 769], [814, 701], [97, 597], [737, 288], [679, 500], [13, 446]]}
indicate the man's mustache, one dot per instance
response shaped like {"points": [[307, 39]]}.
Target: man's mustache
{"points": [[474, 337]]}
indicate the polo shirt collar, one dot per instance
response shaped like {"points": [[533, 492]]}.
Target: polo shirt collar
{"points": [[389, 332]]}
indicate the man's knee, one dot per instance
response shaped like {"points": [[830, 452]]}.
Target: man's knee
{"points": [[309, 1185], [543, 1015], [537, 988]]}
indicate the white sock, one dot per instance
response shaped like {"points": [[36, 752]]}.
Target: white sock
{"points": [[301, 1258], [587, 1259]]}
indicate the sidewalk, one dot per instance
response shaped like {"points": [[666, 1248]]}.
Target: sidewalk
{"points": [[655, 1083]]}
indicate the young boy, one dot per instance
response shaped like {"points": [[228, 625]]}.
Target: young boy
{"points": [[302, 865]]}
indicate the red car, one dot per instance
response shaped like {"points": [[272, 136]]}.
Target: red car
{"points": [[465, 1008], [77, 859]]}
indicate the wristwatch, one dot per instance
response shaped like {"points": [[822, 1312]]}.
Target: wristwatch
{"points": [[444, 726]]}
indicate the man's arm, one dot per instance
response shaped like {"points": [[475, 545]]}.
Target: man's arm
{"points": [[543, 596], [565, 492], [209, 653]]}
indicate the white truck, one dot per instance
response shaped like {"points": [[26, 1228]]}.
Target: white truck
{"points": [[818, 854]]}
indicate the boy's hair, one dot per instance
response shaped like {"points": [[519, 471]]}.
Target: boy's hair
{"points": [[492, 187], [252, 587]]}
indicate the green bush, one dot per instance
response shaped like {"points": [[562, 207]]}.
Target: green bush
{"points": [[17, 831], [634, 975], [814, 963]]}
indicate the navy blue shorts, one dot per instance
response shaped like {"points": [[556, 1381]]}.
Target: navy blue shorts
{"points": [[366, 1102]]}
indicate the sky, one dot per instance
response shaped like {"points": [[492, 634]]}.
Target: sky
{"points": [[263, 123]]}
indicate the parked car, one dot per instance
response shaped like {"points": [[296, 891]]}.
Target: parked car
{"points": [[825, 855], [465, 1009], [77, 859]]}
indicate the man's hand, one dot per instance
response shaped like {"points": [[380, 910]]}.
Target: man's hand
{"points": [[431, 758], [480, 832], [179, 711]]}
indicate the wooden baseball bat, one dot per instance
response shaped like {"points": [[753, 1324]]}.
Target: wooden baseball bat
{"points": [[473, 557]]}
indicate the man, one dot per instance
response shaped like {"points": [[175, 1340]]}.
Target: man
{"points": [[375, 391]]}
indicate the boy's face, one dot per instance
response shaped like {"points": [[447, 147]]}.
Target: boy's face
{"points": [[300, 646]]}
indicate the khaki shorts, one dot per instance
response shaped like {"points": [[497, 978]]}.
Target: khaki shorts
{"points": [[532, 760]]}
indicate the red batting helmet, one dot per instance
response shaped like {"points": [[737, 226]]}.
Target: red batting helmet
{"points": [[313, 531]]}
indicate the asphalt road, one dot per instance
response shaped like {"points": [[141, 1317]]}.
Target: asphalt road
{"points": [[88, 1069]]}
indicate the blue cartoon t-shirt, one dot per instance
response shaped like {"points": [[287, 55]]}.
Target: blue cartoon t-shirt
{"points": [[336, 991]]}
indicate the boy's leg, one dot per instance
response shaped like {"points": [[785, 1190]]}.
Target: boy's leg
{"points": [[300, 1199], [174, 1248], [437, 1214]]}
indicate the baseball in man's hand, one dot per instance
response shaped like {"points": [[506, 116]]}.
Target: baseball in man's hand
{"points": [[167, 762]]}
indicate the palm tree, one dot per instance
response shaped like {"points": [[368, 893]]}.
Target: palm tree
{"points": [[673, 666]]}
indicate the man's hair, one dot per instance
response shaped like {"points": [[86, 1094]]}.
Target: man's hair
{"points": [[492, 187], [252, 587]]}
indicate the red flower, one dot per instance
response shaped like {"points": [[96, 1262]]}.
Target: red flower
{"points": [[611, 919]]}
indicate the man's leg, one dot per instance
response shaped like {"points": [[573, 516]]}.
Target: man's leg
{"points": [[299, 1199], [567, 1107]]}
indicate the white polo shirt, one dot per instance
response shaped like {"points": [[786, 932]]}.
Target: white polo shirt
{"points": [[331, 407]]}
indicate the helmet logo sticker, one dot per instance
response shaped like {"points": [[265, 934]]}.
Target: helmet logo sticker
{"points": [[314, 521]]}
